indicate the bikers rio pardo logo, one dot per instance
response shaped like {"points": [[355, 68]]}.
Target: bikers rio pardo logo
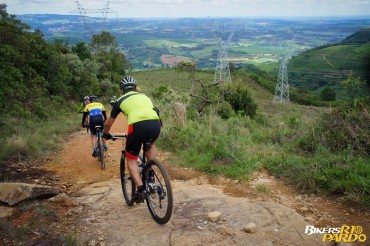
{"points": [[345, 233]]}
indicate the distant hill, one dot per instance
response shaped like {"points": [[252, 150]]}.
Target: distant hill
{"points": [[329, 65], [360, 37]]}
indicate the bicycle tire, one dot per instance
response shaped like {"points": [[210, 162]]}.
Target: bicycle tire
{"points": [[101, 152], [127, 183], [159, 194]]}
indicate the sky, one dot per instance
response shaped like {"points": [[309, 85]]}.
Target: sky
{"points": [[194, 8]]}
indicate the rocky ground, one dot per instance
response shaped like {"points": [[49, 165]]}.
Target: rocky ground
{"points": [[90, 209]]}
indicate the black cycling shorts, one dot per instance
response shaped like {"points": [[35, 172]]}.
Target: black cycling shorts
{"points": [[137, 133], [96, 121]]}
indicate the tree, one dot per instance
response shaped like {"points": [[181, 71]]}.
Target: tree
{"points": [[113, 62], [183, 66], [103, 42], [82, 50], [83, 76], [328, 94], [61, 46]]}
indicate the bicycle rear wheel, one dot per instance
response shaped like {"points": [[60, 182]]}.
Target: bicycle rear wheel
{"points": [[127, 183], [160, 198], [101, 152]]}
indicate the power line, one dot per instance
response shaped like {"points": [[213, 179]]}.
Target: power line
{"points": [[84, 12], [222, 73], [282, 85]]}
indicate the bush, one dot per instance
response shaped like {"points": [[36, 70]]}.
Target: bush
{"points": [[328, 94], [161, 91], [239, 97], [225, 110]]}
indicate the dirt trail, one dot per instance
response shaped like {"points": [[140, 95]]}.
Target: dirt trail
{"points": [[327, 61], [280, 214]]}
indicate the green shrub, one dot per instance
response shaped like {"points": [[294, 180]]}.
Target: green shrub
{"points": [[328, 94], [161, 91], [238, 96], [225, 110]]}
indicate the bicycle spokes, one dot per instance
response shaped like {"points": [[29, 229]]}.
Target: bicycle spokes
{"points": [[160, 200]]}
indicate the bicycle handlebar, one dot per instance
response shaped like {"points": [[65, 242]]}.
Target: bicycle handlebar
{"points": [[118, 136]]}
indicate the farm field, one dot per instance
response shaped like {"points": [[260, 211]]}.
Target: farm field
{"points": [[258, 41]]}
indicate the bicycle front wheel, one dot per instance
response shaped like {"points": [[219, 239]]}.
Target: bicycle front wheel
{"points": [[160, 198], [127, 183]]}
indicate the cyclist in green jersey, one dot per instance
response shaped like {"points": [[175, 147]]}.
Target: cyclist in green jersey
{"points": [[143, 123], [83, 104]]}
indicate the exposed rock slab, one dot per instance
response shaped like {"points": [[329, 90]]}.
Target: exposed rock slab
{"points": [[13, 193], [112, 220]]}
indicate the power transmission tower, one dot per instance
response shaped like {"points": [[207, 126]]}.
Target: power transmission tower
{"points": [[222, 73], [83, 14], [282, 85]]}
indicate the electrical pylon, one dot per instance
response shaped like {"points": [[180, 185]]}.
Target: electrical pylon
{"points": [[222, 73], [282, 85], [83, 13]]}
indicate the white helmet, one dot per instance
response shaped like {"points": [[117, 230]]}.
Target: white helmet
{"points": [[128, 83]]}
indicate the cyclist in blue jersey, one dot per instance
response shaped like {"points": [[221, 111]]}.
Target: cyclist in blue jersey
{"points": [[97, 116]]}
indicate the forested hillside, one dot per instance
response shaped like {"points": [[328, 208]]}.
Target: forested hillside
{"points": [[360, 37], [42, 82]]}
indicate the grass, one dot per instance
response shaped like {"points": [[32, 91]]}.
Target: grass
{"points": [[277, 139], [69, 240], [263, 189], [21, 232], [30, 138]]}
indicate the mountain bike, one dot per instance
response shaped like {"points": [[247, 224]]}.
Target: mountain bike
{"points": [[155, 180], [100, 147]]}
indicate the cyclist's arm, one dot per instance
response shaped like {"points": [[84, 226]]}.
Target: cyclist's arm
{"points": [[108, 124], [105, 115], [113, 115]]}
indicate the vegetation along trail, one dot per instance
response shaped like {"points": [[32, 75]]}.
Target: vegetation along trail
{"points": [[275, 172], [280, 215]]}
